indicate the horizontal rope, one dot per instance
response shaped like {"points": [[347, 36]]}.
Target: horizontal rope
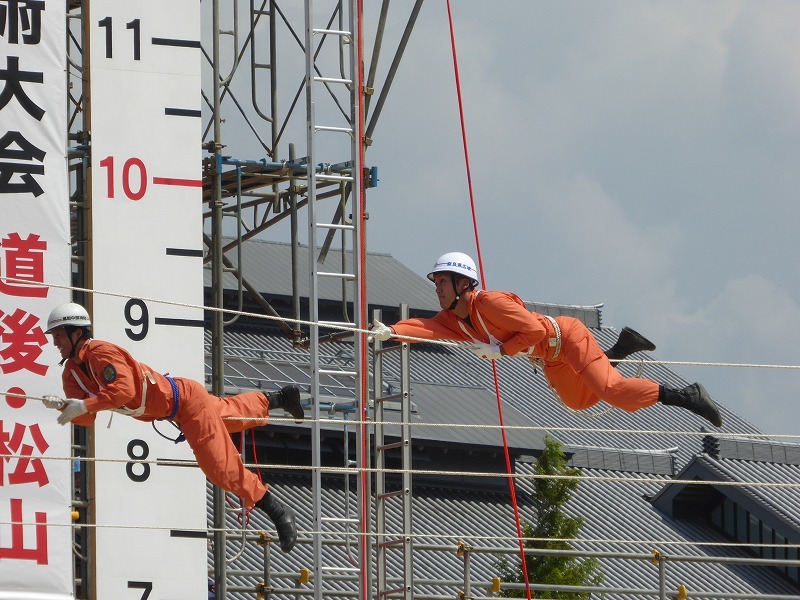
{"points": [[431, 472], [422, 536], [544, 428], [227, 311], [645, 361], [366, 331]]}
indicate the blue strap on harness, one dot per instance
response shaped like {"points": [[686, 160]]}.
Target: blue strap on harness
{"points": [[175, 398], [175, 403]]}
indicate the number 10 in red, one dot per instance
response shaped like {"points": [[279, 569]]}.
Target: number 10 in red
{"points": [[134, 190]]}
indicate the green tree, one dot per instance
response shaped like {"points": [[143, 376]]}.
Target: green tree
{"points": [[549, 497]]}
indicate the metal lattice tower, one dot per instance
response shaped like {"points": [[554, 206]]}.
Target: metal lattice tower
{"points": [[318, 125], [386, 541], [258, 177]]}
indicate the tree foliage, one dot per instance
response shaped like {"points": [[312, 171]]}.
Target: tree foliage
{"points": [[549, 497]]}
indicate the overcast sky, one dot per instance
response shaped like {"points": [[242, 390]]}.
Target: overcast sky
{"points": [[642, 155]]}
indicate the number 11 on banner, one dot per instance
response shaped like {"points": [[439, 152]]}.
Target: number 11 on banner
{"points": [[147, 244]]}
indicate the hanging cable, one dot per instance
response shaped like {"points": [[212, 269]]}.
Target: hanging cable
{"points": [[511, 485], [354, 330], [358, 175]]}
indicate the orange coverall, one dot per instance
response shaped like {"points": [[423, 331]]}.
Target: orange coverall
{"points": [[110, 379], [581, 373]]}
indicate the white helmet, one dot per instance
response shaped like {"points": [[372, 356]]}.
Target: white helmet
{"points": [[68, 314], [456, 262]]}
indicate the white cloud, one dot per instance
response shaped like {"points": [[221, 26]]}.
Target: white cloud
{"points": [[752, 321], [638, 154]]}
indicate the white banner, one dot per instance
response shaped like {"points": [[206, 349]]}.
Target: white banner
{"points": [[36, 558], [147, 244]]}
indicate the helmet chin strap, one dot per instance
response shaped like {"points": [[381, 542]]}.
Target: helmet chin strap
{"points": [[71, 352], [455, 289]]}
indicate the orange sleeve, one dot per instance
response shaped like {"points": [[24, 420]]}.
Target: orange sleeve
{"points": [[85, 420], [71, 387], [73, 390], [438, 327], [516, 327]]}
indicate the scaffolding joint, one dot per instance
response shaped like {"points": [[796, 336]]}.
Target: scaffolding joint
{"points": [[496, 585], [462, 548], [262, 589]]}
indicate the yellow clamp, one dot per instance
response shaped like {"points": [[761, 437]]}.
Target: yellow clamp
{"points": [[683, 593], [462, 547], [304, 576], [76, 515], [263, 538], [656, 557], [495, 589]]}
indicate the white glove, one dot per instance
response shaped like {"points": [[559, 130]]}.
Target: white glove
{"points": [[51, 401], [74, 409], [380, 331], [490, 351]]}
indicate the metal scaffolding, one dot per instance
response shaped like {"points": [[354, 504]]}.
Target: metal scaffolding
{"points": [[263, 183], [266, 160]]}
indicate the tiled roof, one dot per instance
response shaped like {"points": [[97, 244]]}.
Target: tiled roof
{"points": [[661, 462], [781, 500], [267, 266], [625, 460], [616, 519]]}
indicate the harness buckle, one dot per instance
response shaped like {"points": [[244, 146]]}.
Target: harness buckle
{"points": [[556, 341]]}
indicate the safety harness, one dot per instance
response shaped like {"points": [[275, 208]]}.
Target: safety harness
{"points": [[554, 342], [175, 403], [537, 361], [130, 412], [147, 377]]}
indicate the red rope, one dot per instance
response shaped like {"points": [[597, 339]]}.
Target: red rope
{"points": [[362, 257], [511, 487]]}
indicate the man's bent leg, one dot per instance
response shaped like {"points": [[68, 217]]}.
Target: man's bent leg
{"points": [[243, 411], [629, 394], [207, 435], [588, 376]]}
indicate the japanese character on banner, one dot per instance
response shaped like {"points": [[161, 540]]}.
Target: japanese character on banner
{"points": [[27, 468], [15, 547], [21, 15], [18, 156], [22, 260], [20, 162], [14, 79], [17, 445], [21, 343]]}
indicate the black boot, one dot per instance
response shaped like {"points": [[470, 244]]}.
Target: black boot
{"points": [[283, 518], [694, 398], [289, 400], [629, 341]]}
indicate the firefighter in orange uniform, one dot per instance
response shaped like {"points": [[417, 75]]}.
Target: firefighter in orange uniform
{"points": [[103, 376], [498, 324]]}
